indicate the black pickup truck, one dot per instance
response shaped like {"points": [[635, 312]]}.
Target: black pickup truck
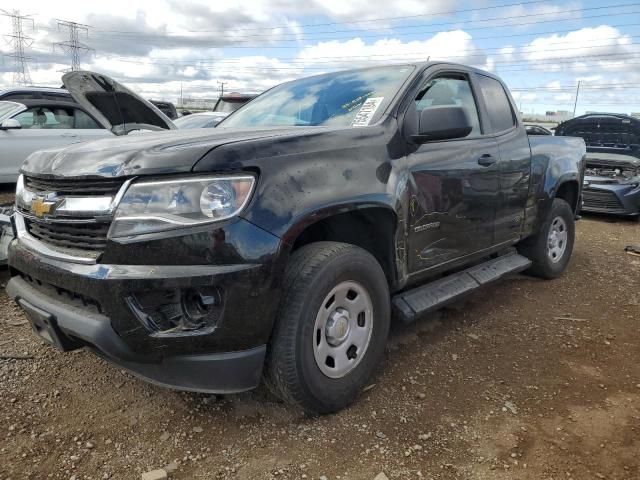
{"points": [[281, 244]]}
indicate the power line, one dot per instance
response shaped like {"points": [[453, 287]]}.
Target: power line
{"points": [[20, 42], [419, 56], [73, 46], [212, 64], [358, 22], [390, 19], [457, 24]]}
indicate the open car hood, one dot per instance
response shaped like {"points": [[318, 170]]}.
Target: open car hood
{"points": [[604, 133], [113, 104]]}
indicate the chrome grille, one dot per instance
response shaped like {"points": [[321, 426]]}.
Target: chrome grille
{"points": [[77, 233], [67, 187]]}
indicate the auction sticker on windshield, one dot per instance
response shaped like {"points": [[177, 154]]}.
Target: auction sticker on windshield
{"points": [[367, 111]]}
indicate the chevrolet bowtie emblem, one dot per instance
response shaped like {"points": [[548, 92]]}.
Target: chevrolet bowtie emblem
{"points": [[39, 207]]}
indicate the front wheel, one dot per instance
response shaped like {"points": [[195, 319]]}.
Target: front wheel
{"points": [[550, 249], [331, 328]]}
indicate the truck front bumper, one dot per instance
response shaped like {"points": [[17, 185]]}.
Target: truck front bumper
{"points": [[67, 328], [106, 307]]}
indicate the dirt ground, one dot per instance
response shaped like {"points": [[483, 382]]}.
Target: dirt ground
{"points": [[528, 379]]}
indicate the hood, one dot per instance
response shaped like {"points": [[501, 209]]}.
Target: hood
{"points": [[9, 109], [113, 104], [605, 132], [145, 153]]}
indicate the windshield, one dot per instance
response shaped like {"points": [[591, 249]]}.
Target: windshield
{"points": [[198, 121], [230, 105], [7, 107], [354, 98]]}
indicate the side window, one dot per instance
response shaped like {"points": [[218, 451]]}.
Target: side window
{"points": [[26, 118], [46, 118], [450, 90], [84, 121], [62, 118], [36, 118], [498, 107]]}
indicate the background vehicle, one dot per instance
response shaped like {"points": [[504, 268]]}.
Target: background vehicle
{"points": [[38, 122], [612, 180], [200, 120], [35, 93], [537, 130], [281, 241], [232, 101], [168, 108], [32, 125]]}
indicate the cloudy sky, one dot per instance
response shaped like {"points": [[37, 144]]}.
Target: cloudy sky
{"points": [[541, 48]]}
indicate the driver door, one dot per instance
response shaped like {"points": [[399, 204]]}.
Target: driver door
{"points": [[453, 183]]}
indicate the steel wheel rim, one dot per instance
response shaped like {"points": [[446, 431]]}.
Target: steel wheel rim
{"points": [[557, 239], [343, 328]]}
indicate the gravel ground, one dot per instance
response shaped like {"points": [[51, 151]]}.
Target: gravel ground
{"points": [[527, 379]]}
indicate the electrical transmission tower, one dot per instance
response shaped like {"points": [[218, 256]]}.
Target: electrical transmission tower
{"points": [[20, 42], [73, 46]]}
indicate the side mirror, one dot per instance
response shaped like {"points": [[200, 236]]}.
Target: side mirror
{"points": [[10, 124], [442, 123]]}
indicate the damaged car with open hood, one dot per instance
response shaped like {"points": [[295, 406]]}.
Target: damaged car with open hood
{"points": [[612, 178], [280, 244], [35, 118]]}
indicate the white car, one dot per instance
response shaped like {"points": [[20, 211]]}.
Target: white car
{"points": [[200, 120], [30, 125], [102, 108]]}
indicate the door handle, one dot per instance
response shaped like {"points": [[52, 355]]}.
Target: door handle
{"points": [[487, 160], [69, 135]]}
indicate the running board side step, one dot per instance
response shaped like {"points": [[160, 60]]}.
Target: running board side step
{"points": [[412, 304]]}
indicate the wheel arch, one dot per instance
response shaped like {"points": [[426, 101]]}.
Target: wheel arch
{"points": [[370, 225], [569, 191]]}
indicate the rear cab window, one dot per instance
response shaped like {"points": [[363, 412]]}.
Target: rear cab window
{"points": [[499, 111]]}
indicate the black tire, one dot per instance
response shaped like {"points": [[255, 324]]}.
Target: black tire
{"points": [[536, 248], [291, 370]]}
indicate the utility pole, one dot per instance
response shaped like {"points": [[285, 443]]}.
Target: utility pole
{"points": [[73, 46], [576, 102], [20, 42], [222, 84]]}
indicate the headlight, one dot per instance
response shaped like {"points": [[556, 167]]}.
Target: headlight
{"points": [[153, 206], [23, 196]]}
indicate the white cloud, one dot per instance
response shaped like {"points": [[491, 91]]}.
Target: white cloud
{"points": [[586, 42], [455, 45], [507, 53]]}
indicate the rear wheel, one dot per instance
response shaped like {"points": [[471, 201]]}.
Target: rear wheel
{"points": [[550, 249], [331, 329]]}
